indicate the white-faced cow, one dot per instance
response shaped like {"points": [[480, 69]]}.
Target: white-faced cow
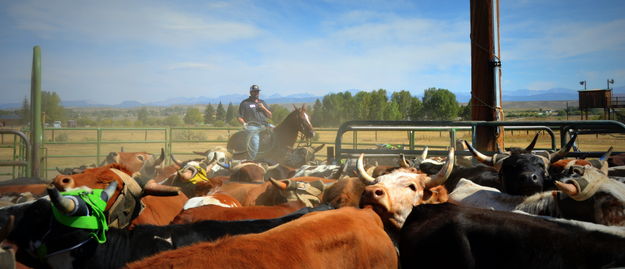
{"points": [[393, 195]]}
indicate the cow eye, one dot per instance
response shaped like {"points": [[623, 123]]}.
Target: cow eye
{"points": [[140, 158], [413, 187]]}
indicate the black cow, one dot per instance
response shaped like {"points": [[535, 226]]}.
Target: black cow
{"points": [[449, 236], [522, 172], [37, 232]]}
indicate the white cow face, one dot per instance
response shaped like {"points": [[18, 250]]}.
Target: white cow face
{"points": [[394, 194]]}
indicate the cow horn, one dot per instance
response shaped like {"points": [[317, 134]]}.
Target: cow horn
{"points": [[60, 171], [606, 155], [318, 148], [531, 146], [108, 191], [424, 154], [402, 161], [212, 160], [153, 188], [442, 175], [205, 153], [278, 184], [567, 188], [479, 156], [554, 157], [362, 174], [271, 167], [160, 158], [63, 204], [173, 159]]}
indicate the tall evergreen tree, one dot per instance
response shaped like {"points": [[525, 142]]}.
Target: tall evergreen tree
{"points": [[231, 113], [316, 114], [209, 114], [24, 112], [220, 114]]}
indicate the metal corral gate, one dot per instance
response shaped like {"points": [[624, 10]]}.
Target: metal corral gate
{"points": [[565, 129], [96, 143]]}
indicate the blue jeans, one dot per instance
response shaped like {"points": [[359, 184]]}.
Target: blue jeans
{"points": [[253, 133]]}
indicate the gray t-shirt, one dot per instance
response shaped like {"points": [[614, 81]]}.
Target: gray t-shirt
{"points": [[251, 112]]}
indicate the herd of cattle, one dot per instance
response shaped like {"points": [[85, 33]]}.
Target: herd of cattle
{"points": [[522, 208]]}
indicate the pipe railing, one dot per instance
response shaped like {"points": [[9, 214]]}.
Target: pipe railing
{"points": [[565, 128]]}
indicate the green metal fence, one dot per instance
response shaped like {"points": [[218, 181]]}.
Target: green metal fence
{"points": [[72, 147]]}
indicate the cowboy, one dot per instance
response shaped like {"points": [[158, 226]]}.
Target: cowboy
{"points": [[253, 114]]}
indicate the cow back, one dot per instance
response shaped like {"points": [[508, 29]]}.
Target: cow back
{"points": [[328, 239]]}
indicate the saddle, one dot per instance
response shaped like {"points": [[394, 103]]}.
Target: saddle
{"points": [[239, 143]]}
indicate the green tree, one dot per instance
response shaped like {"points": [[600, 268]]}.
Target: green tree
{"points": [[440, 104], [142, 116], [416, 109], [51, 106], [278, 113], [220, 114], [378, 105], [403, 99], [172, 120], [317, 113], [231, 113], [361, 111], [209, 114], [192, 116], [465, 112], [391, 112], [24, 112]]}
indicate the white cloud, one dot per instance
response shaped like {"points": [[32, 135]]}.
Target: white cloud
{"points": [[566, 39], [115, 21]]}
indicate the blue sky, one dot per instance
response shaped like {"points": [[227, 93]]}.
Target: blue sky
{"points": [[112, 51]]}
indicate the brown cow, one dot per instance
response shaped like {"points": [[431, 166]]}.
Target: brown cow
{"points": [[216, 212], [277, 192], [558, 169], [345, 192], [342, 238], [137, 162]]}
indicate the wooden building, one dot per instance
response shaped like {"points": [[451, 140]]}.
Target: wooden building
{"points": [[595, 98]]}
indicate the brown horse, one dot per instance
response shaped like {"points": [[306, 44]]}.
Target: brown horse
{"points": [[274, 143]]}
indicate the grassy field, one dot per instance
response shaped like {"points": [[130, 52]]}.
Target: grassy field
{"points": [[75, 147]]}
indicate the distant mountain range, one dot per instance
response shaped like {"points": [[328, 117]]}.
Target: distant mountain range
{"points": [[553, 94]]}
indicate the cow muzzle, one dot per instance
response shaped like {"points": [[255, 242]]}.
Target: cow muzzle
{"points": [[64, 183], [377, 197]]}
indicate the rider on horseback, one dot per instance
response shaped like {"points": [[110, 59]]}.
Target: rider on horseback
{"points": [[253, 114]]}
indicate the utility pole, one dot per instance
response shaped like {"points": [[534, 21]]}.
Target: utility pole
{"points": [[486, 73]]}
